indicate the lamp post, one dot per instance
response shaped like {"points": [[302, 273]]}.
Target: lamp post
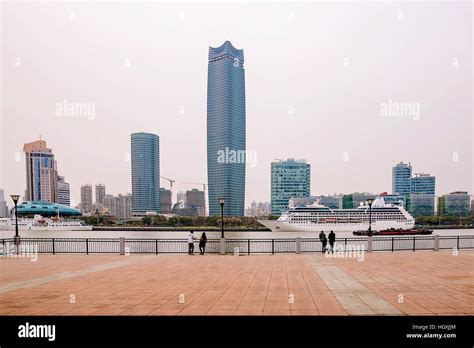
{"points": [[15, 199], [221, 202], [369, 202]]}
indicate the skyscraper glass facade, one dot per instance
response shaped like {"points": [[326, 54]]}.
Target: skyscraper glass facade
{"points": [[423, 183], [401, 179], [226, 129], [290, 179], [145, 156]]}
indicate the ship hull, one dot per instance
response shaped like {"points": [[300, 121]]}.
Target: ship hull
{"points": [[285, 226]]}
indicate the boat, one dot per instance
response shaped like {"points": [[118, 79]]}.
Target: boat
{"points": [[317, 217], [395, 232], [39, 223]]}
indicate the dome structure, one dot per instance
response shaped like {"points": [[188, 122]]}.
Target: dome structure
{"points": [[46, 209]]}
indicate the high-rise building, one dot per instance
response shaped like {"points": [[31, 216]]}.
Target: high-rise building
{"points": [[41, 172], [99, 193], [165, 201], [260, 209], [64, 192], [421, 204], [145, 157], [290, 178], [3, 206], [124, 206], [226, 134], [454, 204], [423, 183], [110, 202], [196, 198], [333, 202], [401, 179], [86, 198]]}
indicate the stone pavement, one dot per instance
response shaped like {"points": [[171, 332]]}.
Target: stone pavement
{"points": [[399, 283]]}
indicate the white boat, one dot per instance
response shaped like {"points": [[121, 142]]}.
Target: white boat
{"points": [[38, 223], [317, 217]]}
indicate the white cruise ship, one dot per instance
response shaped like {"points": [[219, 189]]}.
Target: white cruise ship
{"points": [[38, 223], [317, 217]]}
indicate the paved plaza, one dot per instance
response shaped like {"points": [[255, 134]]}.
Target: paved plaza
{"points": [[383, 283]]}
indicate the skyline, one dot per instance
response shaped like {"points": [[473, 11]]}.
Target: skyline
{"points": [[314, 107]]}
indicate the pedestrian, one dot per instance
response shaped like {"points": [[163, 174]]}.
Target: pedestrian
{"points": [[202, 243], [324, 241], [332, 239], [191, 243]]}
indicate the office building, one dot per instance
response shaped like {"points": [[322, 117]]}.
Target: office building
{"points": [[64, 192], [196, 198], [86, 198], [454, 204], [401, 179], [423, 183], [3, 206], [145, 156], [353, 200], [226, 134], [41, 172], [165, 201], [421, 204], [289, 179], [99, 193]]}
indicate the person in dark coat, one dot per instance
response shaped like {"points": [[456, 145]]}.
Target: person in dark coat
{"points": [[202, 243], [324, 241], [332, 239]]}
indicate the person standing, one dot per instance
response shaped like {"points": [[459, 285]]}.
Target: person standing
{"points": [[324, 241], [191, 243], [202, 243], [332, 239]]}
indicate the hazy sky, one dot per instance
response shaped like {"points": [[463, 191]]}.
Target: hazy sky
{"points": [[317, 78]]}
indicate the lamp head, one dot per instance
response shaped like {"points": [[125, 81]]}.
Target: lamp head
{"points": [[370, 201], [221, 201], [15, 198]]}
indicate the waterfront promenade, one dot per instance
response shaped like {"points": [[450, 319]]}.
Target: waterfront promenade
{"points": [[384, 283]]}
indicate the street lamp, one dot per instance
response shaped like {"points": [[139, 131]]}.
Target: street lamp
{"points": [[15, 201], [221, 202], [369, 202]]}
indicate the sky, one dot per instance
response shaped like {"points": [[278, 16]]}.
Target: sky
{"points": [[353, 88]]}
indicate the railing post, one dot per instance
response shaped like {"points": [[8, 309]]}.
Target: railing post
{"points": [[414, 243], [17, 244], [298, 245], [222, 246], [436, 242], [122, 245], [87, 246], [393, 240], [53, 247], [457, 245], [369, 244], [248, 246], [273, 246], [156, 246], [345, 243]]}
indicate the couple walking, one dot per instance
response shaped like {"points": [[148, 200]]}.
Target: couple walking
{"points": [[202, 243], [324, 241]]}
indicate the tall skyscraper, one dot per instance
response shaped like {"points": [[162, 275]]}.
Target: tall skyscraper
{"points": [[145, 157], [290, 179], [41, 172], [401, 179], [226, 135], [86, 198], [196, 198], [99, 193], [64, 191]]}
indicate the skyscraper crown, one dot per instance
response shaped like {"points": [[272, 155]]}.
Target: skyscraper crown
{"points": [[226, 49]]}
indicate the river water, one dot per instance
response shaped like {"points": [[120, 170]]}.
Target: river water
{"points": [[183, 234]]}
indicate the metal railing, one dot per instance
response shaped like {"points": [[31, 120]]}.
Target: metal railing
{"points": [[240, 246]]}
